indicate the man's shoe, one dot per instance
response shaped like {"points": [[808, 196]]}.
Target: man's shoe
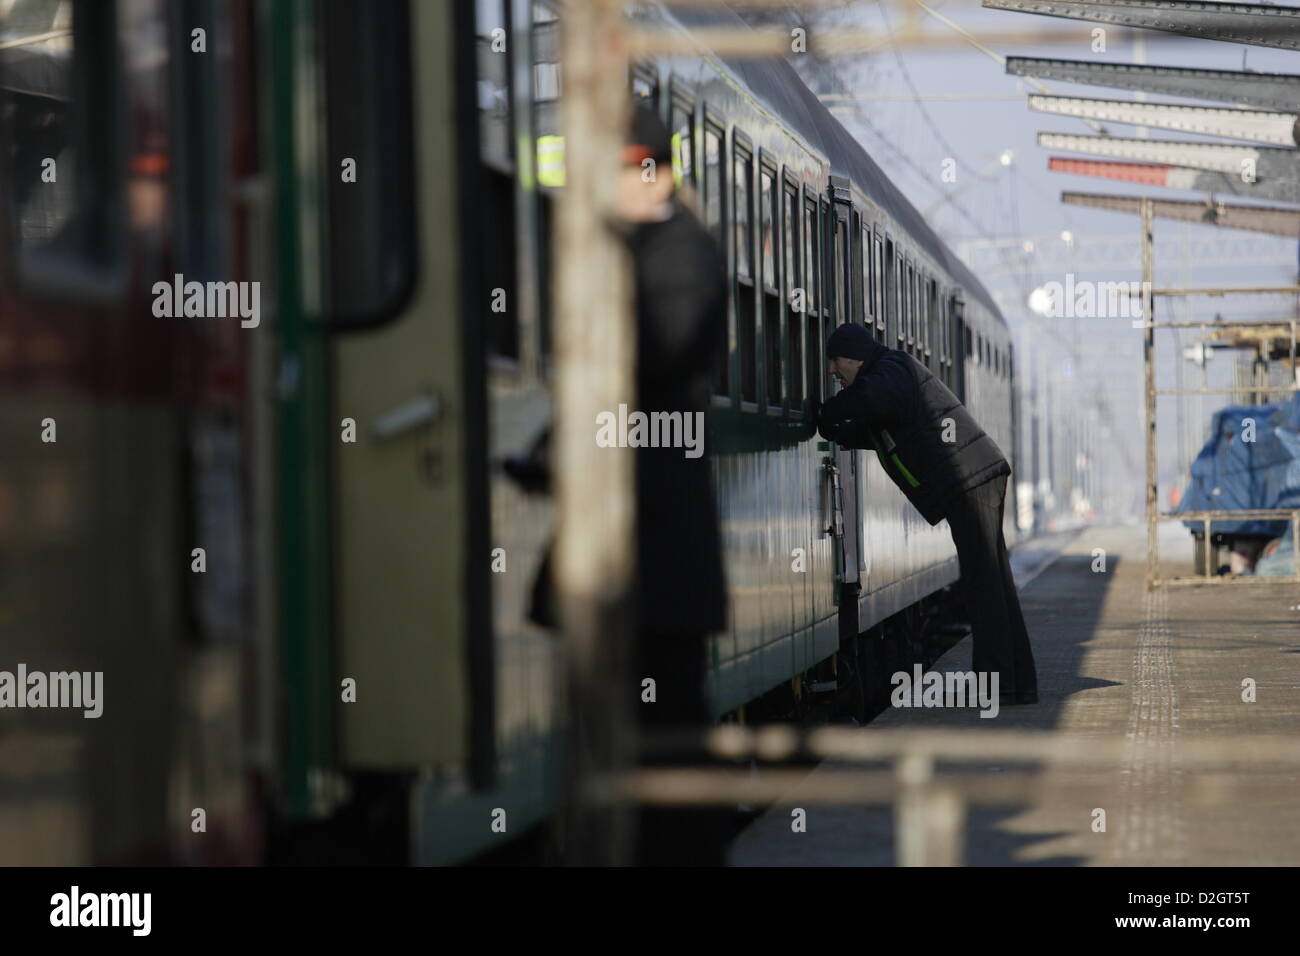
{"points": [[1015, 699]]}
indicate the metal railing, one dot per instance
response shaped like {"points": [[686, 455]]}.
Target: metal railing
{"points": [[933, 775]]}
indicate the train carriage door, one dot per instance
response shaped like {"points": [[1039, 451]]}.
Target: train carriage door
{"points": [[849, 461], [405, 433]]}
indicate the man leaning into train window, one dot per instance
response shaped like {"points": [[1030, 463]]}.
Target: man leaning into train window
{"points": [[948, 468]]}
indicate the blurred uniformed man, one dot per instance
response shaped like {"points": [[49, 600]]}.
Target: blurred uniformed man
{"points": [[681, 322], [948, 468], [681, 319]]}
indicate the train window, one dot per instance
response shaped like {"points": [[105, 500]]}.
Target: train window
{"points": [[713, 192], [878, 281], [746, 306], [63, 162], [921, 317], [772, 309], [812, 320], [767, 218], [713, 177], [945, 330], [683, 144], [491, 30], [890, 291], [812, 256], [868, 303], [645, 85], [909, 290], [905, 304], [794, 316], [744, 234], [839, 306], [932, 320], [370, 248], [918, 309], [824, 276], [856, 284]]}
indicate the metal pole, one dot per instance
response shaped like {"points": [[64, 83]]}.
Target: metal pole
{"points": [[1149, 360], [594, 361]]}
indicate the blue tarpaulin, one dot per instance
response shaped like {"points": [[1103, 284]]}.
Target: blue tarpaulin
{"points": [[1233, 473], [1279, 563]]}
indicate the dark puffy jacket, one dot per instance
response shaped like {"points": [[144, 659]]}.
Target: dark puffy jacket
{"points": [[926, 440]]}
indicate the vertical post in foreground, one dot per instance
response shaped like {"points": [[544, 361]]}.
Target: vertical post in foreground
{"points": [[1149, 365], [594, 362]]}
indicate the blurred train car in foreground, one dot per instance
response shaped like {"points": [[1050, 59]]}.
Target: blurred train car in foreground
{"points": [[258, 383]]}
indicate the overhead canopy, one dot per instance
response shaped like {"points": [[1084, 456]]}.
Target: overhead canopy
{"points": [[1267, 219], [1276, 91], [1260, 126], [1175, 177], [1266, 162], [1257, 25]]}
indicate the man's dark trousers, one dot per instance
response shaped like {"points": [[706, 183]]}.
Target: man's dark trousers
{"points": [[1001, 642], [689, 836]]}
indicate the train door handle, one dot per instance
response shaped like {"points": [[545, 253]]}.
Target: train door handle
{"points": [[836, 527], [407, 417]]}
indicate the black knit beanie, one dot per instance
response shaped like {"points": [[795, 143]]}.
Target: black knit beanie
{"points": [[851, 340]]}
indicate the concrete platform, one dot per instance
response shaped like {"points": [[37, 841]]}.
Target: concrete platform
{"points": [[1154, 669]]}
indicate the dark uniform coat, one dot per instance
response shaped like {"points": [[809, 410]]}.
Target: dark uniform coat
{"points": [[681, 317], [928, 443], [681, 303]]}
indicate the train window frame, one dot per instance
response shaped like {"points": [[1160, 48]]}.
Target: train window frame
{"points": [[791, 263], [683, 173], [772, 319], [743, 154], [767, 175], [921, 315], [892, 324], [96, 270], [825, 234], [909, 307], [931, 317], [878, 279], [746, 286], [868, 304], [386, 146], [812, 253], [713, 130], [842, 273], [856, 279], [814, 384], [919, 291], [644, 72], [710, 128]]}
